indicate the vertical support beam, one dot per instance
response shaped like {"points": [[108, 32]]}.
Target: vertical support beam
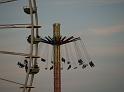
{"points": [[57, 63], [36, 35], [31, 46]]}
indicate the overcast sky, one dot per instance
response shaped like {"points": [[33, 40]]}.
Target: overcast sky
{"points": [[99, 22]]}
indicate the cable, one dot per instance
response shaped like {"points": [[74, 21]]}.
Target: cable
{"points": [[85, 50], [11, 81], [62, 50], [51, 55], [77, 51], [72, 56], [67, 54], [46, 56]]}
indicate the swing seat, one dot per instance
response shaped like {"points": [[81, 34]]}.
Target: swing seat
{"points": [[33, 70], [29, 40], [27, 10]]}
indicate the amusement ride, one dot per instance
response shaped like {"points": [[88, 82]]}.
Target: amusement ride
{"points": [[65, 50]]}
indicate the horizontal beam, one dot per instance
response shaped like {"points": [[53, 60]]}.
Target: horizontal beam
{"points": [[27, 87], [18, 26], [13, 24], [6, 1], [30, 26], [32, 57], [16, 53]]}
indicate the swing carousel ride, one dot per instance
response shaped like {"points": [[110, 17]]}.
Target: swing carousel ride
{"points": [[65, 52]]}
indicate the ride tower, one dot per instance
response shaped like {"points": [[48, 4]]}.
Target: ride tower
{"points": [[56, 41]]}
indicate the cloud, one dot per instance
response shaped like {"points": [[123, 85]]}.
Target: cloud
{"points": [[68, 2], [86, 2], [106, 1], [116, 49], [107, 30], [100, 31]]}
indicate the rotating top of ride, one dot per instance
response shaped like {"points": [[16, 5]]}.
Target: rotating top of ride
{"points": [[52, 41]]}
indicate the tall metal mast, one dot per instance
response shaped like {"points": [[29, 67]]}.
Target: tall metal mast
{"points": [[56, 42], [57, 63]]}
